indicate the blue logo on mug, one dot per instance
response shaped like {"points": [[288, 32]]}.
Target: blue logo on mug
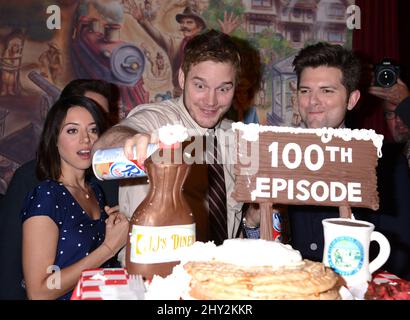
{"points": [[345, 255]]}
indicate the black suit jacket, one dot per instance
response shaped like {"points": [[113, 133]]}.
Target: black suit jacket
{"points": [[403, 111], [392, 218]]}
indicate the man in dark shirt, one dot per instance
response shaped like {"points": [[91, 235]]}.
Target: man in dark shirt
{"points": [[327, 88], [393, 218], [327, 81]]}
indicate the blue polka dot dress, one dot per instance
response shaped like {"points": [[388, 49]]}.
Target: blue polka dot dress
{"points": [[78, 234]]}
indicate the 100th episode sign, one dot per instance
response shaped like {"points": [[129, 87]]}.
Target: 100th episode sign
{"points": [[332, 167]]}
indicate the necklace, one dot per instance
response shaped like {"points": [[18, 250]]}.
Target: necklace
{"points": [[86, 192]]}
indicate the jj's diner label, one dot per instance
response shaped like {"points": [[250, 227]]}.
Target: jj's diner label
{"points": [[159, 244]]}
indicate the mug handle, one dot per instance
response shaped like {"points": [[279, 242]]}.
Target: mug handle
{"points": [[384, 251]]}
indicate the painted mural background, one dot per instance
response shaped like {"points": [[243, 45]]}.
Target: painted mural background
{"points": [[136, 44]]}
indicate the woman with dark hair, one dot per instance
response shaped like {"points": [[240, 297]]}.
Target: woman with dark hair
{"points": [[47, 153], [25, 179], [65, 228]]}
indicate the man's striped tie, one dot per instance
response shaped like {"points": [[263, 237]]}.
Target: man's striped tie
{"points": [[216, 197]]}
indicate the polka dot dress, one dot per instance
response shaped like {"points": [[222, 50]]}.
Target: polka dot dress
{"points": [[79, 234]]}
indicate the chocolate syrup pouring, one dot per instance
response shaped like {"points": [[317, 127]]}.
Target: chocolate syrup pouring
{"points": [[163, 222]]}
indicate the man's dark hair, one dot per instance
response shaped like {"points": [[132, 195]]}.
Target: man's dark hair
{"points": [[214, 46], [48, 157], [110, 91], [330, 55]]}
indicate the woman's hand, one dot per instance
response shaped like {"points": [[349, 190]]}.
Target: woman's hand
{"points": [[116, 229], [111, 210]]}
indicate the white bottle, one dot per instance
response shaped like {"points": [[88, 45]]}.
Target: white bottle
{"points": [[110, 164]]}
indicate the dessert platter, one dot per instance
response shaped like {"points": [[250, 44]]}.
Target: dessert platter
{"points": [[255, 269], [247, 269], [210, 272]]}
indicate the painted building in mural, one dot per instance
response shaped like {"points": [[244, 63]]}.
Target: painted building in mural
{"points": [[137, 45], [296, 23]]}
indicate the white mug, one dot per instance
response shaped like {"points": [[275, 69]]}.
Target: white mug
{"points": [[346, 249]]}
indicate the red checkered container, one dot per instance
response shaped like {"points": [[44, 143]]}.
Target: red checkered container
{"points": [[91, 281]]}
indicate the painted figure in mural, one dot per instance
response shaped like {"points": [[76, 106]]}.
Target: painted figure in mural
{"points": [[190, 24], [51, 63], [294, 104], [149, 13], [261, 97], [159, 68], [10, 64]]}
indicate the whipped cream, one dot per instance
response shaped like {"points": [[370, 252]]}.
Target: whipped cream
{"points": [[172, 287], [171, 134], [198, 251], [250, 132], [257, 252], [243, 252]]}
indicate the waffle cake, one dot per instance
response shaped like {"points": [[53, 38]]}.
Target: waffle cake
{"points": [[259, 269], [216, 280]]}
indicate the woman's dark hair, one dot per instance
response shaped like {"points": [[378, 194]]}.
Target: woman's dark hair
{"points": [[110, 91], [48, 158]]}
